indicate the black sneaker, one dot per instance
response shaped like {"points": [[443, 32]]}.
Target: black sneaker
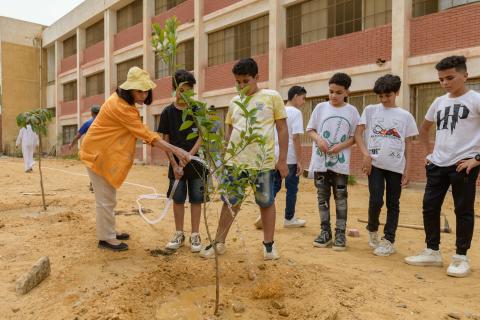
{"points": [[324, 239], [340, 242]]}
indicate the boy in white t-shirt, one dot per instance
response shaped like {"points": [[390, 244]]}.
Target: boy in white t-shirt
{"points": [[453, 162], [332, 127], [383, 136]]}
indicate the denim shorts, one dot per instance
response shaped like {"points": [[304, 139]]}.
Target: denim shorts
{"points": [[193, 186], [264, 189]]}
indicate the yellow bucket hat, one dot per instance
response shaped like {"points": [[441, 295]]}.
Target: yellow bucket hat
{"points": [[138, 79]]}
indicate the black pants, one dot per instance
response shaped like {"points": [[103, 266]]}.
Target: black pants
{"points": [[325, 183], [376, 185], [463, 190]]}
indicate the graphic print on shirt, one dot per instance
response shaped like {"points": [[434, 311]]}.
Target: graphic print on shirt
{"points": [[335, 130], [450, 117], [385, 137]]}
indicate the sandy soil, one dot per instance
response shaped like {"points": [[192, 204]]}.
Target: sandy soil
{"points": [[309, 283]]}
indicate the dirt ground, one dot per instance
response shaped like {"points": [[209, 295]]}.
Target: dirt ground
{"points": [[306, 283]]}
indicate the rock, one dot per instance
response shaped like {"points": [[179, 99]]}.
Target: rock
{"points": [[261, 266], [283, 313], [238, 307], [454, 315], [419, 276], [277, 305], [15, 310], [38, 273], [354, 233]]}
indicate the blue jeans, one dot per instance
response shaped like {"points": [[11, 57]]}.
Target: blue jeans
{"points": [[291, 183], [194, 187]]}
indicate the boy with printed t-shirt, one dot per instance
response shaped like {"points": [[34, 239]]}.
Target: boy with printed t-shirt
{"points": [[383, 136], [332, 127], [453, 162], [270, 114]]}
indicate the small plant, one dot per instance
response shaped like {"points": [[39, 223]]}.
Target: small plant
{"points": [[38, 120], [352, 180]]}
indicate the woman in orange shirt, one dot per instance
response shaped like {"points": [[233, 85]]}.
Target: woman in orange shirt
{"points": [[108, 150]]}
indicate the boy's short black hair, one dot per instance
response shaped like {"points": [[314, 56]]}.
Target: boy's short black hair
{"points": [[183, 76], [296, 91], [245, 67], [127, 96], [341, 79], [457, 62], [387, 84]]}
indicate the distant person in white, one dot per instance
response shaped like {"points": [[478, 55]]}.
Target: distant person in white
{"points": [[296, 100], [29, 141]]}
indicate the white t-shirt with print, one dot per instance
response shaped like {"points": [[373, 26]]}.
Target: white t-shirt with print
{"points": [[334, 125], [295, 126], [385, 132], [457, 123]]}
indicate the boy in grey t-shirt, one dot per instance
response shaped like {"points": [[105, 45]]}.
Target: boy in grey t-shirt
{"points": [[383, 136], [453, 162]]}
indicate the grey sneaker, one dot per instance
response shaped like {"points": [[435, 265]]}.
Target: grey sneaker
{"points": [[340, 242], [324, 239], [373, 239], [195, 242], [177, 241]]}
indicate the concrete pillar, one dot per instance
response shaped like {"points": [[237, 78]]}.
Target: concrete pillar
{"points": [[200, 62], [110, 23], [401, 14], [149, 66], [81, 84], [276, 37], [58, 92]]}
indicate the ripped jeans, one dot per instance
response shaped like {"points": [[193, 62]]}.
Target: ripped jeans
{"points": [[325, 183]]}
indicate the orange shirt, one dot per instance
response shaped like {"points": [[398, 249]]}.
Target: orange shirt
{"points": [[108, 147]]}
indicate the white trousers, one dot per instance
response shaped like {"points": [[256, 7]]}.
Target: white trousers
{"points": [[106, 200], [27, 152]]}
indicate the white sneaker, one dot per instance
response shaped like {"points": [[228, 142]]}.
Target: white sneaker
{"points": [[427, 257], [384, 248], [459, 267], [195, 242], [294, 223], [177, 241], [258, 223], [272, 255], [373, 239], [209, 252]]}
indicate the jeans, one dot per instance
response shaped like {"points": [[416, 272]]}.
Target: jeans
{"points": [[439, 179], [291, 183], [376, 186], [325, 183], [264, 195], [194, 187]]}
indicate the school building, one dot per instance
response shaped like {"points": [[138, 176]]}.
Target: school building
{"points": [[90, 50]]}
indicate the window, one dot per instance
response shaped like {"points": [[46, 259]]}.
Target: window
{"points": [[53, 111], [165, 5], [244, 40], [315, 20], [70, 46], [424, 7], [307, 109], [68, 133], [94, 33], [362, 99], [129, 15], [70, 91], [122, 68], [422, 96], [51, 65], [95, 84], [447, 4], [185, 56]]}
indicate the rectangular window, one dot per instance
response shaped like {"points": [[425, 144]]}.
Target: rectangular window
{"points": [[130, 15], [51, 65], [94, 33], [244, 40], [95, 84], [316, 20], [165, 5], [70, 46], [447, 4], [68, 133], [424, 7], [185, 56], [70, 91], [122, 68], [362, 99]]}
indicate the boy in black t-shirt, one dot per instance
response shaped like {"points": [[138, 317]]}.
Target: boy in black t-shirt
{"points": [[191, 176]]}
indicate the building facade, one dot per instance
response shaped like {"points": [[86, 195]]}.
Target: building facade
{"points": [[90, 50]]}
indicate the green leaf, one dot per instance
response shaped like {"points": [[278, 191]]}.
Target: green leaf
{"points": [[186, 124], [192, 135]]}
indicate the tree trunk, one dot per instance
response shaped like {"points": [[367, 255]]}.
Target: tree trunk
{"points": [[40, 170]]}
